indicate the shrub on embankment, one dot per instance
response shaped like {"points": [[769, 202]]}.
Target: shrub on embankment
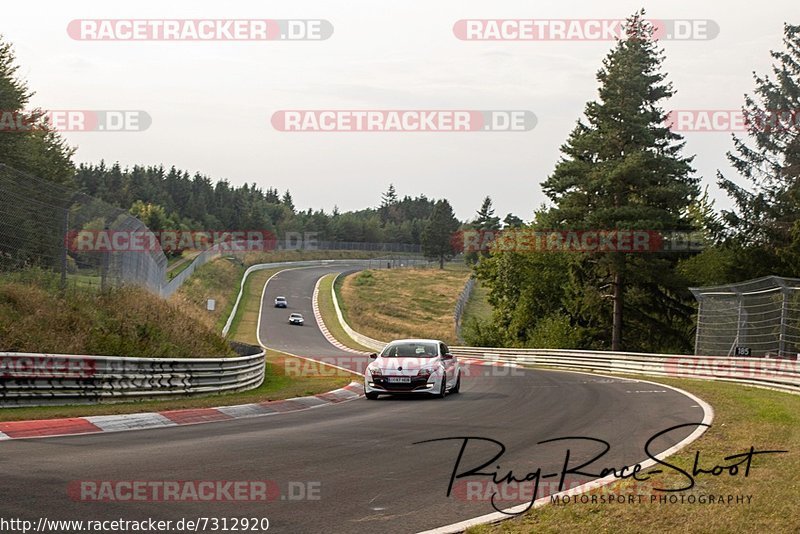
{"points": [[35, 316]]}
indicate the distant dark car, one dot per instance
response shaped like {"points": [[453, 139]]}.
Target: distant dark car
{"points": [[296, 318], [280, 302]]}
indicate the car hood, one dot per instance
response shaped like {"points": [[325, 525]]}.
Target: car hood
{"points": [[404, 366]]}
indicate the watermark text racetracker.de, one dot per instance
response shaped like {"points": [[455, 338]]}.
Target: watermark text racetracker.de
{"points": [[174, 241], [75, 120], [29, 366], [195, 30], [733, 120], [217, 491], [344, 366], [578, 29], [587, 241], [403, 120]]}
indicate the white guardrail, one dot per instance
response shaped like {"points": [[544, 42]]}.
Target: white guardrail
{"points": [[359, 338], [56, 379], [772, 373]]}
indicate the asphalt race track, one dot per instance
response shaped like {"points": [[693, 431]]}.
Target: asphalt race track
{"points": [[360, 455]]}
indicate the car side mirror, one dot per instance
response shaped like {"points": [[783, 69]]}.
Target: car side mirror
{"points": [[373, 356], [447, 356]]}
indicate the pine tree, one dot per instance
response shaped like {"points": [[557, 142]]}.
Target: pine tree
{"points": [[767, 218], [389, 197], [37, 149], [287, 200], [437, 236], [388, 210], [486, 219], [622, 169], [512, 221]]}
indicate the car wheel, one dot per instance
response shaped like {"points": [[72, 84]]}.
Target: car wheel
{"points": [[443, 389], [371, 395], [457, 387]]}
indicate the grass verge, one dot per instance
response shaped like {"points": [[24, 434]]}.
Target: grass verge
{"points": [[219, 280], [328, 312], [478, 307], [744, 417], [401, 303], [35, 316], [278, 384]]}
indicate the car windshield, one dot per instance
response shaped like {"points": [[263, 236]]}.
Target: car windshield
{"points": [[281, 298], [410, 349], [296, 315]]}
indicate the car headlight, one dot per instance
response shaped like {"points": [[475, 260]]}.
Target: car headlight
{"points": [[426, 371], [374, 371]]}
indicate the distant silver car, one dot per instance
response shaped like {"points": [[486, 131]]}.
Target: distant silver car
{"points": [[280, 302], [296, 318]]}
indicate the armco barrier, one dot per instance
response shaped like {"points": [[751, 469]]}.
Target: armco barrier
{"points": [[780, 374], [359, 338], [56, 379], [461, 304]]}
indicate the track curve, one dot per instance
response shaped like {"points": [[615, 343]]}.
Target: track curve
{"points": [[370, 474]]}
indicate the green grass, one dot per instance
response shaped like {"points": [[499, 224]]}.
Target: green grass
{"points": [[277, 385], [219, 280], [478, 307], [744, 416], [328, 312], [401, 303]]}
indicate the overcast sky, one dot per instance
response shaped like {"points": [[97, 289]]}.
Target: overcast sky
{"points": [[211, 102]]}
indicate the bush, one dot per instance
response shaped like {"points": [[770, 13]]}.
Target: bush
{"points": [[36, 317]]}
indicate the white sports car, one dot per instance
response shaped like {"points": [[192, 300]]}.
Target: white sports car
{"points": [[413, 366]]}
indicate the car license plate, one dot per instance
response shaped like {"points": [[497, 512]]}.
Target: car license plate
{"points": [[400, 379]]}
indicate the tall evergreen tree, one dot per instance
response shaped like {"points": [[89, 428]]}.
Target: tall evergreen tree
{"points": [[485, 221], [623, 169], [287, 200], [388, 210], [437, 237], [27, 141], [512, 221], [766, 218], [389, 197]]}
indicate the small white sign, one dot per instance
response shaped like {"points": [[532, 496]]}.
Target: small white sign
{"points": [[212, 304]]}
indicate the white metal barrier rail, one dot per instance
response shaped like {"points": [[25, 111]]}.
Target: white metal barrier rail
{"points": [[358, 337], [57, 379], [782, 374]]}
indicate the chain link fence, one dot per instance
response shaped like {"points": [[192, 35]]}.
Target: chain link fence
{"points": [[754, 318], [40, 221]]}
